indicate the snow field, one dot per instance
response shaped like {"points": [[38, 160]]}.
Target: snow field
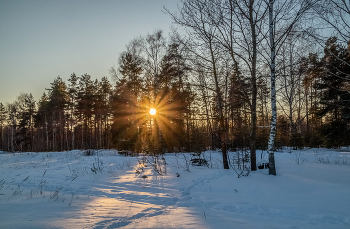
{"points": [[107, 190]]}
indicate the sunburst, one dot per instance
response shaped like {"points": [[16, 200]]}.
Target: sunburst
{"points": [[151, 123]]}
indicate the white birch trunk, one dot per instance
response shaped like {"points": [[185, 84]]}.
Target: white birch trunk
{"points": [[271, 144]]}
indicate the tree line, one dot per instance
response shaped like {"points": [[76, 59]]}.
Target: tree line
{"points": [[234, 75]]}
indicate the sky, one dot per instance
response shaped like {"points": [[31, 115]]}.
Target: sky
{"points": [[43, 39]]}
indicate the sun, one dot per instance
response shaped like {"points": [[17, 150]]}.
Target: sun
{"points": [[152, 111]]}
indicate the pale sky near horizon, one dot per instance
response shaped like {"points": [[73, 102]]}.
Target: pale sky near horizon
{"points": [[43, 39]]}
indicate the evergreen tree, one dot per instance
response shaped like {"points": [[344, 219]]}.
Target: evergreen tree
{"points": [[332, 82], [125, 112], [58, 100], [41, 123], [26, 114], [130, 67], [102, 112], [84, 110], [128, 112], [72, 93]]}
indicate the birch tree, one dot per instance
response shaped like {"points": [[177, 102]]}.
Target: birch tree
{"points": [[288, 14], [3, 116], [271, 144]]}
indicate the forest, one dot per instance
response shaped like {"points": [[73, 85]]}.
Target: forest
{"points": [[232, 75]]}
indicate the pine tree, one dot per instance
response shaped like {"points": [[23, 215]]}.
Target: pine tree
{"points": [[334, 93], [104, 93], [126, 103], [26, 114], [41, 123], [72, 93], [125, 108], [58, 100], [84, 109]]}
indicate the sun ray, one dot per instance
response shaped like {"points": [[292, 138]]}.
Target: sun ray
{"points": [[151, 120]]}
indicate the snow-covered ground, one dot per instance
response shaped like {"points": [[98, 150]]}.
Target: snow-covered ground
{"points": [[107, 190]]}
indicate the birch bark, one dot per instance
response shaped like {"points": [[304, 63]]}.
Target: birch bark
{"points": [[272, 137]]}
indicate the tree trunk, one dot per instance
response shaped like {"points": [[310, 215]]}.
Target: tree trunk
{"points": [[271, 144], [254, 91], [12, 139], [47, 135], [223, 131]]}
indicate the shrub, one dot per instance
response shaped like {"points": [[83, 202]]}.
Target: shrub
{"points": [[89, 152]]}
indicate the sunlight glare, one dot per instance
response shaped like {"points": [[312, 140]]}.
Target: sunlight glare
{"points": [[152, 111]]}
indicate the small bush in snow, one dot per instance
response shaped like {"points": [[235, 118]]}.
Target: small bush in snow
{"points": [[323, 160], [197, 160], [89, 152], [341, 161], [336, 161], [299, 158]]}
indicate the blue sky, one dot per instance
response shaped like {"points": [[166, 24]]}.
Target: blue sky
{"points": [[43, 39]]}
